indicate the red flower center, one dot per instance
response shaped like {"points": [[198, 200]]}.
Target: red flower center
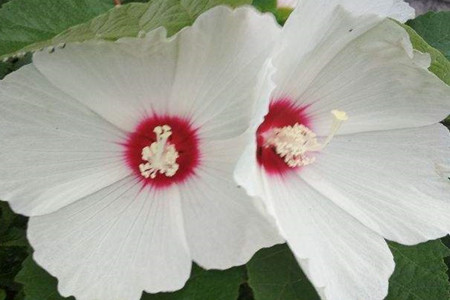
{"points": [[163, 150], [282, 112]]}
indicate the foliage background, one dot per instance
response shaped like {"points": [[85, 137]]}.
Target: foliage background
{"points": [[40, 25]]}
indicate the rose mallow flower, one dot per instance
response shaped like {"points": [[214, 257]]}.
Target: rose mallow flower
{"points": [[349, 151], [122, 153]]}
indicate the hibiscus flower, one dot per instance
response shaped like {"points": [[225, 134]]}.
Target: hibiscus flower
{"points": [[122, 153], [348, 151]]}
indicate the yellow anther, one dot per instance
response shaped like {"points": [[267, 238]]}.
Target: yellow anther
{"points": [[340, 115]]}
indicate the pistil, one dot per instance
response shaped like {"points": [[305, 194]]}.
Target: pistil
{"points": [[296, 143], [161, 156]]}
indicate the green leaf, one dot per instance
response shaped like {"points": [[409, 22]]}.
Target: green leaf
{"points": [[9, 221], [434, 27], [19, 296], [10, 264], [37, 283], [130, 1], [420, 272], [13, 65], [440, 65], [265, 5], [16, 237], [131, 19], [282, 14], [245, 291], [13, 246], [6, 217], [2, 295], [217, 285], [23, 23], [275, 274], [446, 239], [4, 70]]}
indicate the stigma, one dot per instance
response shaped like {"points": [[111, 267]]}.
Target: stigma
{"points": [[296, 144], [160, 156]]}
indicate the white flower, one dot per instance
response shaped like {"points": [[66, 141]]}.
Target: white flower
{"points": [[396, 9], [123, 153], [349, 150]]}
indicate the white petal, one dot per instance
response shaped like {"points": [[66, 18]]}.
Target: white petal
{"points": [[122, 81], [389, 180], [402, 11], [247, 172], [54, 151], [314, 34], [380, 82], [377, 79], [219, 59], [203, 73], [114, 244], [342, 258], [396, 9], [224, 226]]}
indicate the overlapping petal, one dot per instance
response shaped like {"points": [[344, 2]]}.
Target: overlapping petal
{"points": [[218, 64], [223, 226]]}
